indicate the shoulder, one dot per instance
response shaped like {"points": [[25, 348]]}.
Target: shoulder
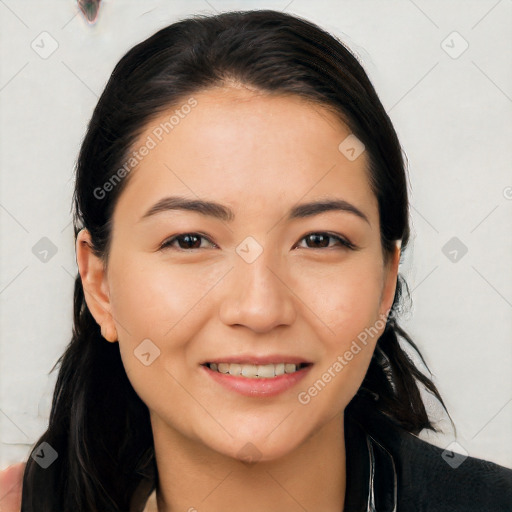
{"points": [[432, 479], [11, 482]]}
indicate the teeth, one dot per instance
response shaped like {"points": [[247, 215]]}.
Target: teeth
{"points": [[265, 371], [289, 368], [223, 368], [248, 370], [235, 369]]}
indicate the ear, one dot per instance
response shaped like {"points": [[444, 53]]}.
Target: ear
{"points": [[389, 281], [94, 282]]}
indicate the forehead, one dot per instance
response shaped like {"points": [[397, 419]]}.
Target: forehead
{"points": [[243, 147]]}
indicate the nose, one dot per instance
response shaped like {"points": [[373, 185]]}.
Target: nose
{"points": [[257, 296]]}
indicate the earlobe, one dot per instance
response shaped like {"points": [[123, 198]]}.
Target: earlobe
{"points": [[94, 282]]}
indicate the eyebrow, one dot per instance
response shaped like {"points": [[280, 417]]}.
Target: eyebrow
{"points": [[224, 213]]}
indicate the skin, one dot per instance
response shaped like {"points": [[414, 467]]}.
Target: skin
{"points": [[11, 480], [260, 155]]}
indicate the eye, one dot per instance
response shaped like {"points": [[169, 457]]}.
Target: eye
{"points": [[193, 241], [188, 240], [321, 240]]}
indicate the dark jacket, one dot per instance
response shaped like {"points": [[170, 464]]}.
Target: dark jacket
{"points": [[389, 469]]}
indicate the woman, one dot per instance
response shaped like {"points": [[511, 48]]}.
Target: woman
{"points": [[240, 211]]}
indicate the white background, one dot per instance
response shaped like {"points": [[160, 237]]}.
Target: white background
{"points": [[452, 115]]}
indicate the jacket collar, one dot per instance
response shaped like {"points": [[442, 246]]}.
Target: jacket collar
{"points": [[371, 473]]}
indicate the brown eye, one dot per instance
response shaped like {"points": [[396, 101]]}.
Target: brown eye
{"points": [[185, 241], [322, 240]]}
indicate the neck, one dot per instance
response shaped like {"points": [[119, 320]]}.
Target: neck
{"points": [[194, 478]]}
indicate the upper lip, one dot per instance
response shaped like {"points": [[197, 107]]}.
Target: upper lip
{"points": [[258, 360]]}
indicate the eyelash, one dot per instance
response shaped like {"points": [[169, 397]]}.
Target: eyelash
{"points": [[344, 243]]}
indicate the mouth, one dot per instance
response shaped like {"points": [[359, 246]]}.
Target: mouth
{"points": [[257, 377], [256, 371]]}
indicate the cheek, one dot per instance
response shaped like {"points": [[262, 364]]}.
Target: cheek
{"points": [[153, 305], [347, 301], [152, 297], [166, 304], [345, 298]]}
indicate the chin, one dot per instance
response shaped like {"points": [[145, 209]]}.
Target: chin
{"points": [[250, 452], [264, 444]]}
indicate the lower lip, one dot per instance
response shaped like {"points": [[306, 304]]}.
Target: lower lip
{"points": [[258, 386]]}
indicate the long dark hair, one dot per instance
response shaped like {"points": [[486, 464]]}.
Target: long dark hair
{"points": [[98, 425]]}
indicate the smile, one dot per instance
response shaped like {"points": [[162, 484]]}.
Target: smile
{"points": [[257, 380], [265, 371]]}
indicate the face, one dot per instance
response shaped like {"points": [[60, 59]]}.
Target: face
{"points": [[266, 282]]}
